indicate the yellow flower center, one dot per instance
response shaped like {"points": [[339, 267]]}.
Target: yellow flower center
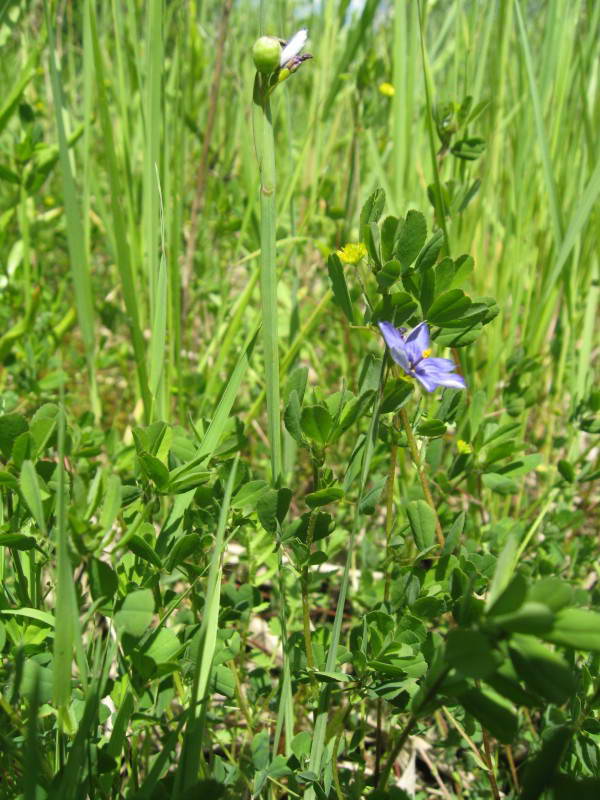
{"points": [[387, 89], [426, 353]]}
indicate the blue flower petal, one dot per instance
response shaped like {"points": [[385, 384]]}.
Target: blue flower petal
{"points": [[395, 342], [427, 381], [429, 375], [392, 336], [452, 381], [408, 350], [417, 342], [442, 364], [401, 359]]}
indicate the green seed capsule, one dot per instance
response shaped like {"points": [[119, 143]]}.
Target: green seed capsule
{"points": [[266, 54]]}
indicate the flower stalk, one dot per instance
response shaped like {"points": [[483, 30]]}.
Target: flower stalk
{"points": [[275, 60], [268, 269], [310, 662], [416, 459], [389, 520], [411, 350]]}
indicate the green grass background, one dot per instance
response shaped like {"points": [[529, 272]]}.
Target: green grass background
{"points": [[129, 218]]}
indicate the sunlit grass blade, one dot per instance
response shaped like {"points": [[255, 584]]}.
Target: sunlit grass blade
{"points": [[429, 99], [579, 218], [159, 331], [225, 341], [555, 215], [130, 291], [190, 760], [30, 489], [33, 767], [66, 614], [80, 267], [158, 339], [27, 72], [355, 36], [69, 788], [589, 328], [215, 429], [300, 340]]}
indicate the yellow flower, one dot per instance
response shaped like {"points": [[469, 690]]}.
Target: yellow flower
{"points": [[463, 447], [387, 89], [352, 253]]}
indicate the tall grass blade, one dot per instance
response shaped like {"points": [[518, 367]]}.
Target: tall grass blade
{"points": [[30, 489], [221, 415], [555, 216], [206, 649], [579, 218], [159, 330], [66, 615], [439, 203], [356, 36], [33, 770], [78, 253], [130, 291]]}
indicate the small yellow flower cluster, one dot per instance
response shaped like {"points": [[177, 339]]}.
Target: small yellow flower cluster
{"points": [[463, 447], [352, 253], [387, 89]]}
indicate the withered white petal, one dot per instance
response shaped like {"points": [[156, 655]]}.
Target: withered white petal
{"points": [[293, 47]]}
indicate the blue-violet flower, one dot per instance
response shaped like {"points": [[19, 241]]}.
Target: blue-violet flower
{"points": [[412, 351]]}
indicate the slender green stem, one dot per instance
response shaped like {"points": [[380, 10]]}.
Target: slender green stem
{"points": [[285, 716], [265, 145], [293, 351], [191, 754], [305, 570], [268, 272], [490, 764], [416, 458], [316, 753], [334, 755], [304, 583], [389, 520], [407, 730]]}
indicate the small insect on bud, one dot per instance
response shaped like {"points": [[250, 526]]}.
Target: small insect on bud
{"points": [[266, 54]]}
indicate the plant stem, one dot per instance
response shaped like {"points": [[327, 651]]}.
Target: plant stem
{"points": [[304, 578], [285, 712], [513, 769], [318, 743], [268, 273], [490, 764], [407, 730], [198, 199], [293, 350], [389, 520], [389, 492], [334, 755], [265, 147], [414, 454]]}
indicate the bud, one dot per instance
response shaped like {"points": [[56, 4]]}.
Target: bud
{"points": [[266, 54]]}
